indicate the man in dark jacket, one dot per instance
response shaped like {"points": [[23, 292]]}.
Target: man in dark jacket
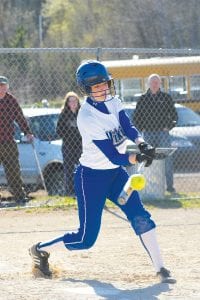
{"points": [[155, 116], [11, 112]]}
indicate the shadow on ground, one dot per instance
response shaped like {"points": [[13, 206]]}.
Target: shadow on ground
{"points": [[109, 291], [164, 203]]}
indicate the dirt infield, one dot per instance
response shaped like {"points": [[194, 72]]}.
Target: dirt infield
{"points": [[117, 267]]}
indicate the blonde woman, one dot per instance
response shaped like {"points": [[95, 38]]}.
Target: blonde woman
{"points": [[72, 146]]}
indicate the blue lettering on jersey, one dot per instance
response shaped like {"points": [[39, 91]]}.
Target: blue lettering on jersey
{"points": [[117, 136]]}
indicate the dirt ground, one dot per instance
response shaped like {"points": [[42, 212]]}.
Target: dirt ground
{"points": [[117, 267]]}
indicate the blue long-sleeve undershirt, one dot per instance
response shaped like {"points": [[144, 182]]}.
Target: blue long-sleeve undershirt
{"points": [[107, 147], [109, 150], [130, 131]]}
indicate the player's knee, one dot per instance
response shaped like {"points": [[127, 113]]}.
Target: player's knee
{"points": [[142, 223], [85, 244], [88, 243]]}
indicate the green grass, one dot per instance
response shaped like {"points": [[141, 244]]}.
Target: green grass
{"points": [[169, 203], [47, 204], [173, 203]]}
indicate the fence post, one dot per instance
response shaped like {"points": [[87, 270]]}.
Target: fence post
{"points": [[99, 52]]}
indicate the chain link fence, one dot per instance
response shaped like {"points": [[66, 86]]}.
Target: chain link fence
{"points": [[40, 79]]}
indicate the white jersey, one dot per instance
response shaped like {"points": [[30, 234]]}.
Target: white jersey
{"points": [[95, 125]]}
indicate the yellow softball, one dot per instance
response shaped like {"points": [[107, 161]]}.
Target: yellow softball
{"points": [[138, 182]]}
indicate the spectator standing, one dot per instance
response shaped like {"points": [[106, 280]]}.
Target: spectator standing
{"points": [[72, 144], [11, 112], [155, 116]]}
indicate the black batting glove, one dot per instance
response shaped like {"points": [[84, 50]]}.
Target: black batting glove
{"points": [[141, 157], [148, 153], [147, 149]]}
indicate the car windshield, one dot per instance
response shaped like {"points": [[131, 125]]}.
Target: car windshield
{"points": [[44, 127], [187, 117]]}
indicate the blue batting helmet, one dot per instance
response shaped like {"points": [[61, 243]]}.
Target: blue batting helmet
{"points": [[90, 73]]}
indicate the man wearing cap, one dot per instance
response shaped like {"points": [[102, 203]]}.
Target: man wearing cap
{"points": [[11, 112]]}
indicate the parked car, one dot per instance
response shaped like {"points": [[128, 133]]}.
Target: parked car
{"points": [[47, 148], [43, 121], [185, 136]]}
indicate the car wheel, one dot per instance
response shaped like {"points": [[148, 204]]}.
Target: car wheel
{"points": [[54, 181]]}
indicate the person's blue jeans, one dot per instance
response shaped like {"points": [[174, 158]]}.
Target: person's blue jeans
{"points": [[162, 139]]}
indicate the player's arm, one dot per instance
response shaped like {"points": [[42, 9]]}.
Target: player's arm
{"points": [[129, 129], [147, 151], [106, 146]]}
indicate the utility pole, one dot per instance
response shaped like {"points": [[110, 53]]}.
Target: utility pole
{"points": [[40, 31]]}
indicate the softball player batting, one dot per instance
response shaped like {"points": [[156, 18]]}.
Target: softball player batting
{"points": [[104, 127]]}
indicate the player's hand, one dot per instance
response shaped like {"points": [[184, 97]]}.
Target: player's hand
{"points": [[141, 157], [132, 158], [147, 149], [148, 153]]}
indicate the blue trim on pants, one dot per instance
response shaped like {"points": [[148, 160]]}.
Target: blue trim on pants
{"points": [[92, 188]]}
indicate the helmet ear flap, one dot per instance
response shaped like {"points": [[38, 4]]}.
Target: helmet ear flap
{"points": [[88, 90], [111, 86], [85, 90]]}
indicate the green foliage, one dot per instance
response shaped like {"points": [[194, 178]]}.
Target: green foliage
{"points": [[19, 40], [91, 23], [144, 23]]}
